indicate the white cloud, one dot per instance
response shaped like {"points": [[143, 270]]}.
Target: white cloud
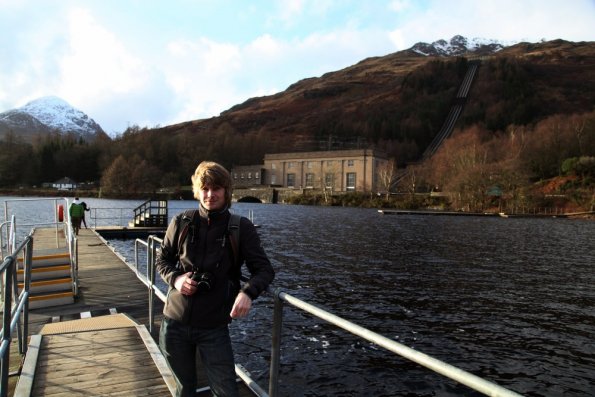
{"points": [[199, 73], [95, 63], [399, 5], [503, 20]]}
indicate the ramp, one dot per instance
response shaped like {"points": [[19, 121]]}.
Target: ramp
{"points": [[106, 355], [51, 279]]}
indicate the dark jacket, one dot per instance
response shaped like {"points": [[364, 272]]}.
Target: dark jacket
{"points": [[207, 248]]}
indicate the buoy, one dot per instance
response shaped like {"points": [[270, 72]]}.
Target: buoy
{"points": [[61, 213]]}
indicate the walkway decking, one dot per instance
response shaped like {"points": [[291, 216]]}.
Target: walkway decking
{"points": [[97, 356], [106, 284]]}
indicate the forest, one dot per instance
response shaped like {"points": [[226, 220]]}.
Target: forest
{"points": [[523, 131]]}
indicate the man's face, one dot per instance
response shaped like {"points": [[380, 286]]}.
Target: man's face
{"points": [[212, 197]]}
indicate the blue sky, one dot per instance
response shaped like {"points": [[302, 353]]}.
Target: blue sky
{"points": [[149, 63]]}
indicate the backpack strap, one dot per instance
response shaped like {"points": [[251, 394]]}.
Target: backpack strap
{"points": [[185, 223], [233, 230]]}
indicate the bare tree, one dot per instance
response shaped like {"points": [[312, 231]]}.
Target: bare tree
{"points": [[387, 176]]}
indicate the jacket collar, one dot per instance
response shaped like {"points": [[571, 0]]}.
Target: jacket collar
{"points": [[212, 215]]}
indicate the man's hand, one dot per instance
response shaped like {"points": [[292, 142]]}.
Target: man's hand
{"points": [[185, 284], [241, 306]]}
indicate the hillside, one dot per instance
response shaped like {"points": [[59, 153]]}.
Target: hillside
{"points": [[400, 100]]}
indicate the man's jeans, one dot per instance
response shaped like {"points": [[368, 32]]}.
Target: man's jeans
{"points": [[181, 344]]}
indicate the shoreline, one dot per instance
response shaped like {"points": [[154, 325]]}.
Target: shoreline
{"points": [[187, 195]]}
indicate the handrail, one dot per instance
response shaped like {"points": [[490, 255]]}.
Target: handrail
{"points": [[149, 278], [151, 213], [472, 381], [71, 239], [97, 214], [3, 225], [56, 221], [450, 371], [20, 307]]}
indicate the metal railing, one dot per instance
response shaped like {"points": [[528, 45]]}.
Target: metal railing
{"points": [[6, 242], [466, 378], [151, 245], [440, 367], [56, 212], [151, 213], [15, 306], [61, 222], [103, 215]]}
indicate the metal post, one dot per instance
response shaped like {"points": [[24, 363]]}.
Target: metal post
{"points": [[151, 271], [276, 347], [27, 286], [56, 222], [15, 299], [6, 325]]}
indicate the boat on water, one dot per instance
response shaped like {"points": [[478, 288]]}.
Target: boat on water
{"points": [[79, 248]]}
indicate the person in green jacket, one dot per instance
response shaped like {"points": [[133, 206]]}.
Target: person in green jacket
{"points": [[76, 211]]}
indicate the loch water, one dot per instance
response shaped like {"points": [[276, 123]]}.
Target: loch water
{"points": [[509, 300]]}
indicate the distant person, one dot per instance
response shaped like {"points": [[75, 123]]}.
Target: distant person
{"points": [[197, 262], [76, 212], [85, 208]]}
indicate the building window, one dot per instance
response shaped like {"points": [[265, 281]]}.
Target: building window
{"points": [[273, 179], [256, 175], [235, 175], [242, 175], [249, 175], [350, 163], [309, 164], [329, 163], [309, 180], [289, 165], [328, 180], [350, 181], [273, 166], [290, 180]]}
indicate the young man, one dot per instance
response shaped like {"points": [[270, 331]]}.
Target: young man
{"points": [[203, 275]]}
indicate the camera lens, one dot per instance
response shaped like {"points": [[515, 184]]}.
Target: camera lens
{"points": [[204, 280]]}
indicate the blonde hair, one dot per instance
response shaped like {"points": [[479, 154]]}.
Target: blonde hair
{"points": [[209, 173]]}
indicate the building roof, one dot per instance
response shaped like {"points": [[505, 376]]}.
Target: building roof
{"points": [[326, 154], [64, 181]]}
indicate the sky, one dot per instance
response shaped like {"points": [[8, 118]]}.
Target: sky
{"points": [[156, 63]]}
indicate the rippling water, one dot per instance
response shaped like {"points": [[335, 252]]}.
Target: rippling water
{"points": [[509, 300]]}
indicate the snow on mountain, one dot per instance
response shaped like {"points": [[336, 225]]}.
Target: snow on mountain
{"points": [[49, 114], [58, 114], [459, 45]]}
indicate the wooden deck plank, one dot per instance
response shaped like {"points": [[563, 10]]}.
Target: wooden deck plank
{"points": [[88, 363]]}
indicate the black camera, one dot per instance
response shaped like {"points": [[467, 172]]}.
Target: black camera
{"points": [[205, 281]]}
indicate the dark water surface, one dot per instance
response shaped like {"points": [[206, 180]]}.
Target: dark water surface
{"points": [[509, 300]]}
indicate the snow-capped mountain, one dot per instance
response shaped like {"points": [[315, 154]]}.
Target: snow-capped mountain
{"points": [[459, 45], [46, 115]]}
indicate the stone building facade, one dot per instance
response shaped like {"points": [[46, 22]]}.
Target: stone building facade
{"points": [[338, 171], [247, 176]]}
